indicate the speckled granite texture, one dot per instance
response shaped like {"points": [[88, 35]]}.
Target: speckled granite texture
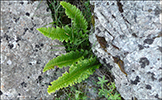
{"points": [[132, 31], [25, 51]]}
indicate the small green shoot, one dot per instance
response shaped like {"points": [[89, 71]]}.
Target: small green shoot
{"points": [[109, 93], [102, 81]]}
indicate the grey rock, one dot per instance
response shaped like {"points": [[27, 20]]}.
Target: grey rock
{"points": [[25, 51], [133, 34]]}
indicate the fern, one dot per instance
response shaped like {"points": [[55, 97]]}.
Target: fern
{"points": [[75, 14], [81, 67], [77, 73], [65, 60], [54, 33]]}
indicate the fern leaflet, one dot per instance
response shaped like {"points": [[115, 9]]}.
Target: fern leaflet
{"points": [[77, 73], [54, 33], [65, 60]]}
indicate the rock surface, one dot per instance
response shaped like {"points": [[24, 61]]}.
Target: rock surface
{"points": [[128, 34], [25, 51]]}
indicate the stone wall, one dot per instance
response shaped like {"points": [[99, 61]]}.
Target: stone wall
{"points": [[128, 40]]}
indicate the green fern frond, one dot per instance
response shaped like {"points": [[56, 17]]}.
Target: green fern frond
{"points": [[65, 60], [76, 15], [54, 33], [77, 73]]}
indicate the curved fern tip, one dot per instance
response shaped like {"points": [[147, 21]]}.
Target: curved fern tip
{"points": [[76, 15]]}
